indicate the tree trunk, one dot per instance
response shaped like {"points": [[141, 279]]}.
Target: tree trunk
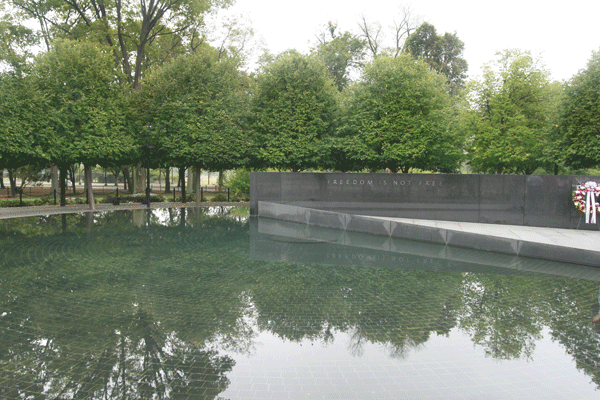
{"points": [[191, 183], [2, 180], [70, 177], [116, 173], [182, 179], [89, 188], [54, 177], [221, 180], [168, 180], [63, 184], [197, 185], [12, 182], [12, 179], [71, 171], [139, 181], [128, 180]]}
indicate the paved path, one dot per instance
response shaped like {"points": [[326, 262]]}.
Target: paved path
{"points": [[579, 239], [567, 245], [15, 212]]}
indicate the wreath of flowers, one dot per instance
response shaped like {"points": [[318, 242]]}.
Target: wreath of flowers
{"points": [[580, 194]]}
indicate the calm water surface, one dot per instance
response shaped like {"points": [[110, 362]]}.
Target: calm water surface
{"points": [[203, 304]]}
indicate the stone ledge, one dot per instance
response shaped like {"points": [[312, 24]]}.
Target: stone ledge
{"points": [[442, 236]]}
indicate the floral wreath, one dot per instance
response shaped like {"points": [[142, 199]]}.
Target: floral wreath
{"points": [[583, 202]]}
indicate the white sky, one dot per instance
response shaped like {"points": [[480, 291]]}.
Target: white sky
{"points": [[565, 34]]}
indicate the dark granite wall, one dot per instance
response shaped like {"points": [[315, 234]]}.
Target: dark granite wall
{"points": [[531, 200]]}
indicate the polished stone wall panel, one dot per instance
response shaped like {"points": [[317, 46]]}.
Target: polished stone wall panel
{"points": [[532, 200], [548, 198], [264, 187], [501, 199]]}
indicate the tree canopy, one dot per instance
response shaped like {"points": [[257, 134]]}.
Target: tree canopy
{"points": [[403, 118], [580, 117], [195, 110], [294, 110], [85, 107], [443, 53], [136, 32], [342, 54], [507, 115], [198, 109], [19, 112]]}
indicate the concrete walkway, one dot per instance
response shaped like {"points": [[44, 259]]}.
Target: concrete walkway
{"points": [[567, 245], [577, 239], [16, 212]]}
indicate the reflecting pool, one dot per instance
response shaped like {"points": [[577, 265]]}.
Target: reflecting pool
{"points": [[204, 304]]}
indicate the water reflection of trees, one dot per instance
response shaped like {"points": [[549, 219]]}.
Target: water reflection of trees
{"points": [[504, 314], [86, 320], [137, 307], [571, 312], [397, 308], [136, 361]]}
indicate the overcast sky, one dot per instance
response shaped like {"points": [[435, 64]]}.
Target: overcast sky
{"points": [[564, 34]]}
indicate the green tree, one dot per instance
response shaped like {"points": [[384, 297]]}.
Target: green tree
{"points": [[19, 114], [443, 53], [553, 153], [15, 41], [140, 34], [342, 53], [18, 150], [130, 28], [402, 117], [507, 115], [85, 109], [580, 117], [294, 111], [195, 109]]}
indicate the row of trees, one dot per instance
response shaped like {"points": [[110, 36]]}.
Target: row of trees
{"points": [[195, 107]]}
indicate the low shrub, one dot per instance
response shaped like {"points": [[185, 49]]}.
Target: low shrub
{"points": [[239, 182], [220, 197], [26, 202]]}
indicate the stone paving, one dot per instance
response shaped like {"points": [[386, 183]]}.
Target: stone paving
{"points": [[567, 245], [579, 239]]}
